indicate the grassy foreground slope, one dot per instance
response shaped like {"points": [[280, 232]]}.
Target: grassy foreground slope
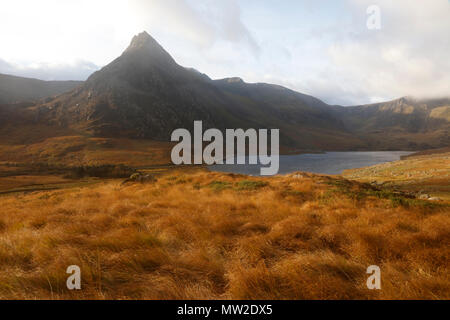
{"points": [[204, 235]]}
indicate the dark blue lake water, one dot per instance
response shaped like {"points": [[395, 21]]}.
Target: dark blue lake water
{"points": [[325, 163]]}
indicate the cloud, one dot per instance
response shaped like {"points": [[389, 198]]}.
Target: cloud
{"points": [[408, 56], [321, 49], [230, 26], [204, 23], [174, 16], [77, 70], [55, 37], [343, 62]]}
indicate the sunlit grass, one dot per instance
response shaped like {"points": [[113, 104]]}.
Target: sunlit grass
{"points": [[201, 235]]}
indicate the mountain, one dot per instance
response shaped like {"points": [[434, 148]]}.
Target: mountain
{"points": [[145, 94], [405, 123], [17, 89]]}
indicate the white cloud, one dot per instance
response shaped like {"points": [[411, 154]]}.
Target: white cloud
{"points": [[53, 32], [76, 70], [319, 48], [408, 56], [342, 62]]}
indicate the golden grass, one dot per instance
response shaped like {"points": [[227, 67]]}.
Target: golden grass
{"points": [[75, 150], [424, 172], [254, 238], [13, 182]]}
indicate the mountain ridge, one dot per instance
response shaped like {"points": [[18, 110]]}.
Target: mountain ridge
{"points": [[146, 94]]}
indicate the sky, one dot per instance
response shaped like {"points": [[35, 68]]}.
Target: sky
{"points": [[317, 47]]}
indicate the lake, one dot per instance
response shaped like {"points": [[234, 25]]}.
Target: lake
{"points": [[325, 163]]}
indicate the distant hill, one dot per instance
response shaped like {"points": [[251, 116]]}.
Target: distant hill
{"points": [[404, 123], [17, 89]]}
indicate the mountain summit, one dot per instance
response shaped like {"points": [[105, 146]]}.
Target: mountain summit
{"points": [[143, 41], [143, 46], [143, 93]]}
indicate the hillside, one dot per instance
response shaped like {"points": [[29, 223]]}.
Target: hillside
{"points": [[17, 89], [425, 174], [406, 123]]}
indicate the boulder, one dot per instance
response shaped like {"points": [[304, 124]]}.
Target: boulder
{"points": [[141, 178]]}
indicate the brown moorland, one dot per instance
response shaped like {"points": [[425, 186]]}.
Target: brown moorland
{"points": [[203, 235]]}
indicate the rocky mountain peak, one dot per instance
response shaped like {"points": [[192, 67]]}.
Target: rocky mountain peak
{"points": [[144, 47], [142, 40]]}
